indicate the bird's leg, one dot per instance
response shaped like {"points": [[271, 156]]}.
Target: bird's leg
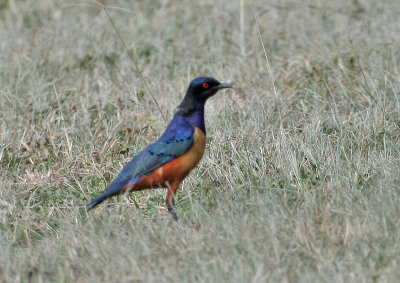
{"points": [[170, 200], [172, 211]]}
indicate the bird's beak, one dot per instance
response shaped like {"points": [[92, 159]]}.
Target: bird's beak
{"points": [[222, 85]]}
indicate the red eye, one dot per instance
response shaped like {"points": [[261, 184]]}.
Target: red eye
{"points": [[205, 85]]}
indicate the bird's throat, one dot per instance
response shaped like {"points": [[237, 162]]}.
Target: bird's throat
{"points": [[193, 111], [196, 118]]}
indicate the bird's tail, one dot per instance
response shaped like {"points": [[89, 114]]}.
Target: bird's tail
{"points": [[113, 189], [98, 200]]}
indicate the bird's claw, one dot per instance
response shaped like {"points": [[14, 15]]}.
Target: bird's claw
{"points": [[172, 211]]}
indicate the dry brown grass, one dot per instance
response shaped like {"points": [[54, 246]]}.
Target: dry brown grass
{"points": [[300, 183]]}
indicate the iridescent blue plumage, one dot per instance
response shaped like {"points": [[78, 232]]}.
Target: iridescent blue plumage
{"points": [[176, 144], [176, 140]]}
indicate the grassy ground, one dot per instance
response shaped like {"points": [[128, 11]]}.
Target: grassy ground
{"points": [[300, 179]]}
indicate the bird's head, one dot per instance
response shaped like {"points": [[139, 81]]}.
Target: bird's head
{"points": [[200, 89], [203, 88]]}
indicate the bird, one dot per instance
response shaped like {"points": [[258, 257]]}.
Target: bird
{"points": [[167, 162]]}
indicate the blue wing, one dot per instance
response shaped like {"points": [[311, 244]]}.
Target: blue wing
{"points": [[176, 140], [173, 143]]}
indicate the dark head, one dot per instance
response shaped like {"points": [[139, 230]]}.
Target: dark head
{"points": [[200, 89]]}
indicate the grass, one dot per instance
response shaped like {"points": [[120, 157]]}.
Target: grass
{"points": [[300, 179]]}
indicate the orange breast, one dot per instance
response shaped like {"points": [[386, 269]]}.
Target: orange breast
{"points": [[180, 167], [177, 169]]}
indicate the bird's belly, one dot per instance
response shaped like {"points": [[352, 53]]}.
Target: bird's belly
{"points": [[177, 169]]}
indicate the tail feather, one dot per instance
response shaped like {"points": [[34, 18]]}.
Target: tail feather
{"points": [[113, 189], [98, 200]]}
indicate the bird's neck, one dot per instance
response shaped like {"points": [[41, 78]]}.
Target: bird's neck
{"points": [[196, 118], [193, 111]]}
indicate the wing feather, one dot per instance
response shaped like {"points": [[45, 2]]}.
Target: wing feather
{"points": [[177, 140]]}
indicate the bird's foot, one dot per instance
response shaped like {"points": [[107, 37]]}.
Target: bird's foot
{"points": [[172, 211]]}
